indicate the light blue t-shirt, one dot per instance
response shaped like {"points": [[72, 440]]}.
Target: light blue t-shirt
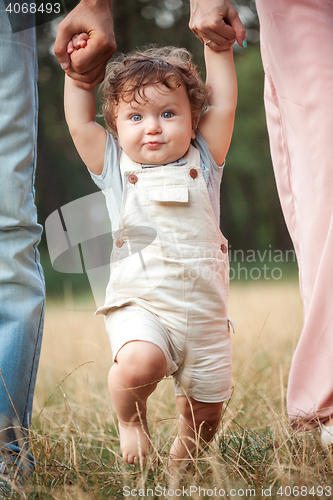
{"points": [[110, 180]]}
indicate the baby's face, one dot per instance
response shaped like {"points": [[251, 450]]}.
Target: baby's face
{"points": [[157, 131]]}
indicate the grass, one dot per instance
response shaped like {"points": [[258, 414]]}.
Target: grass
{"points": [[255, 453]]}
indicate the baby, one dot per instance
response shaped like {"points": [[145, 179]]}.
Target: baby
{"points": [[166, 301]]}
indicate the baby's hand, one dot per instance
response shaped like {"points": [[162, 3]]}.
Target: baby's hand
{"points": [[77, 42]]}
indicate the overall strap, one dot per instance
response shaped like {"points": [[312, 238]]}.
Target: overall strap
{"points": [[192, 156], [128, 165]]}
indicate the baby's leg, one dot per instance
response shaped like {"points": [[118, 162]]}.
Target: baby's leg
{"points": [[133, 377], [198, 424]]}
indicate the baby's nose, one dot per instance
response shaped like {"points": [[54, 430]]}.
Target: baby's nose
{"points": [[153, 126]]}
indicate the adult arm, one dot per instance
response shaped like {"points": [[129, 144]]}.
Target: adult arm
{"points": [[218, 21], [95, 18]]}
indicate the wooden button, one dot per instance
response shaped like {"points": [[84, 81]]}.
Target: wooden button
{"points": [[224, 248], [132, 178], [193, 173], [119, 242]]}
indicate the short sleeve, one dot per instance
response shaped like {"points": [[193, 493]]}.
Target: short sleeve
{"points": [[110, 181], [111, 169], [206, 156], [211, 171]]}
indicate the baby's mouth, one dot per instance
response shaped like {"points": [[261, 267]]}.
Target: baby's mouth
{"points": [[153, 144]]}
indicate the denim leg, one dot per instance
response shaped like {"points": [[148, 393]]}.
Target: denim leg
{"points": [[22, 289]]}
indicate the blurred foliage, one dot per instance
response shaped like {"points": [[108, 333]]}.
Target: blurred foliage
{"points": [[250, 211]]}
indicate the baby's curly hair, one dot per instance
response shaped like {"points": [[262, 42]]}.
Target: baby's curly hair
{"points": [[129, 74]]}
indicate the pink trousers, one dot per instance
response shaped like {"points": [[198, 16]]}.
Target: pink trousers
{"points": [[297, 53]]}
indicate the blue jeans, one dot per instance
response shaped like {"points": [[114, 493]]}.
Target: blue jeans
{"points": [[22, 289]]}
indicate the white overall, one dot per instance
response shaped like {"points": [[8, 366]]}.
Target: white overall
{"points": [[170, 260]]}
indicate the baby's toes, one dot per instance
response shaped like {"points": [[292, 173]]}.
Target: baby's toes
{"points": [[130, 459]]}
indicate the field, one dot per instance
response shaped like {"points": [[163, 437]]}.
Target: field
{"points": [[254, 454]]}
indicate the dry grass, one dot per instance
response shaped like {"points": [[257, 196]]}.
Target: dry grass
{"points": [[74, 434]]}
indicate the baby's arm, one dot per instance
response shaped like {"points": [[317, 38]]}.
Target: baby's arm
{"points": [[217, 122], [80, 110]]}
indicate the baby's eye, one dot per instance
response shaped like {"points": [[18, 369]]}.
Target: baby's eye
{"points": [[167, 114], [136, 118]]}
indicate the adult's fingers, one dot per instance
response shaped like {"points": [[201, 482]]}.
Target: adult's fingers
{"points": [[90, 78], [216, 34], [95, 19], [97, 52], [88, 86], [218, 21], [217, 43], [64, 35], [219, 48], [238, 26]]}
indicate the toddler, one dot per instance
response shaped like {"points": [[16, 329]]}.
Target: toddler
{"points": [[166, 301]]}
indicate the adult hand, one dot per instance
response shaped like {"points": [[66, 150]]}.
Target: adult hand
{"points": [[218, 21], [88, 66]]}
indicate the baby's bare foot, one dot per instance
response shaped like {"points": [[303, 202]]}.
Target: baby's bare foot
{"points": [[180, 457], [134, 442]]}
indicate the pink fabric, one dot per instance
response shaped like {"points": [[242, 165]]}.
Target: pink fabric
{"points": [[297, 53]]}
